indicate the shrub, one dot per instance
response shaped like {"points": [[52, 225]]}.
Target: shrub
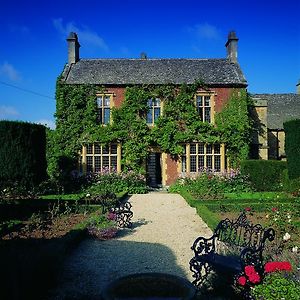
{"points": [[23, 153], [209, 185], [275, 286], [264, 175], [292, 147], [105, 182]]}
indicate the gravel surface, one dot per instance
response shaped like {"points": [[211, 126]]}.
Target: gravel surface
{"points": [[164, 228]]}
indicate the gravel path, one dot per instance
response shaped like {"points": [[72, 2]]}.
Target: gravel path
{"points": [[164, 228]]}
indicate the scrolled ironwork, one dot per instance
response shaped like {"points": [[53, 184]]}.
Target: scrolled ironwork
{"points": [[123, 214]]}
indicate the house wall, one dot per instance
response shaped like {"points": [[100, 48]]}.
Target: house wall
{"points": [[276, 139], [170, 167]]}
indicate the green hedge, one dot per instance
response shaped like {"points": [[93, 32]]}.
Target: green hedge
{"points": [[292, 147], [23, 153], [265, 175]]}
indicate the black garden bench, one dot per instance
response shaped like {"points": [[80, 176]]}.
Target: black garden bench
{"points": [[234, 245], [122, 210]]}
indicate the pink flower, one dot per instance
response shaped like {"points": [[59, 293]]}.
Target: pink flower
{"points": [[274, 209], [242, 280], [247, 208]]}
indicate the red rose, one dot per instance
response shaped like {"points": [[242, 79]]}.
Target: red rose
{"points": [[242, 280], [247, 208], [273, 266], [274, 209], [252, 274]]}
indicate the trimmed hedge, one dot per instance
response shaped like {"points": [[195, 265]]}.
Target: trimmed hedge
{"points": [[292, 147], [265, 175], [23, 153]]}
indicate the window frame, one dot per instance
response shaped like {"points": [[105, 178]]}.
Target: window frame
{"points": [[211, 96], [103, 107], [152, 109], [95, 155], [187, 158]]}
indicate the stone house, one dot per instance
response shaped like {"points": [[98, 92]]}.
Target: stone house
{"points": [[274, 110], [220, 75]]}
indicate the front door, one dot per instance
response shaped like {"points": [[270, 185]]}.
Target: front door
{"points": [[154, 169]]}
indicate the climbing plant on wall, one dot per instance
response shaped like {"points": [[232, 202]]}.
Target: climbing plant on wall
{"points": [[179, 123]]}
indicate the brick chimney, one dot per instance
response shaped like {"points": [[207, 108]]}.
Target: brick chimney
{"points": [[231, 46], [298, 87], [73, 48]]}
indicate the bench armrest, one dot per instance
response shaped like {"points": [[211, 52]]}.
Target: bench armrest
{"points": [[204, 245]]}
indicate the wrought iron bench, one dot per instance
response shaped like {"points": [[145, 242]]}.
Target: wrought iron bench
{"points": [[234, 245], [121, 209]]}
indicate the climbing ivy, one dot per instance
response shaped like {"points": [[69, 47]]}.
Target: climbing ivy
{"points": [[179, 123]]}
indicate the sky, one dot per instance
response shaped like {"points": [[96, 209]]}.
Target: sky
{"points": [[33, 48]]}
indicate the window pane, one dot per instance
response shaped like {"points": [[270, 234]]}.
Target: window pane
{"points": [[105, 161], [200, 163], [113, 149], [200, 112], [99, 116], [201, 148], [199, 101], [113, 163], [217, 165], [207, 100], [217, 148], [157, 102], [89, 149], [193, 166], [149, 116], [106, 101], [99, 101], [106, 115], [97, 149], [150, 104], [209, 162], [209, 149], [183, 164], [156, 113], [105, 150], [207, 114], [89, 164], [97, 163], [193, 149]]}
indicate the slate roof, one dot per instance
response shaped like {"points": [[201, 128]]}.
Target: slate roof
{"points": [[281, 108], [154, 71]]}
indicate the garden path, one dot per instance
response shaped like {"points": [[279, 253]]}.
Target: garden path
{"points": [[164, 228]]}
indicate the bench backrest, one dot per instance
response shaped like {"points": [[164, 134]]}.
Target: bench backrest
{"points": [[241, 233]]}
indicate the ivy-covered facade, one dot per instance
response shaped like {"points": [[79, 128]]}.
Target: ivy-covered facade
{"points": [[166, 118]]}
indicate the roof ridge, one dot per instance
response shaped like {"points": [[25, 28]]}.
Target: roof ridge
{"points": [[149, 59]]}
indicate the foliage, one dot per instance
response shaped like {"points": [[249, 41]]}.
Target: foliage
{"points": [[76, 118], [235, 125], [276, 286], [265, 175], [105, 182], [23, 154], [102, 227], [208, 185], [292, 147]]}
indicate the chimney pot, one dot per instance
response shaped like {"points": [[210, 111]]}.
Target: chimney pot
{"points": [[231, 46], [143, 55], [73, 48]]}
